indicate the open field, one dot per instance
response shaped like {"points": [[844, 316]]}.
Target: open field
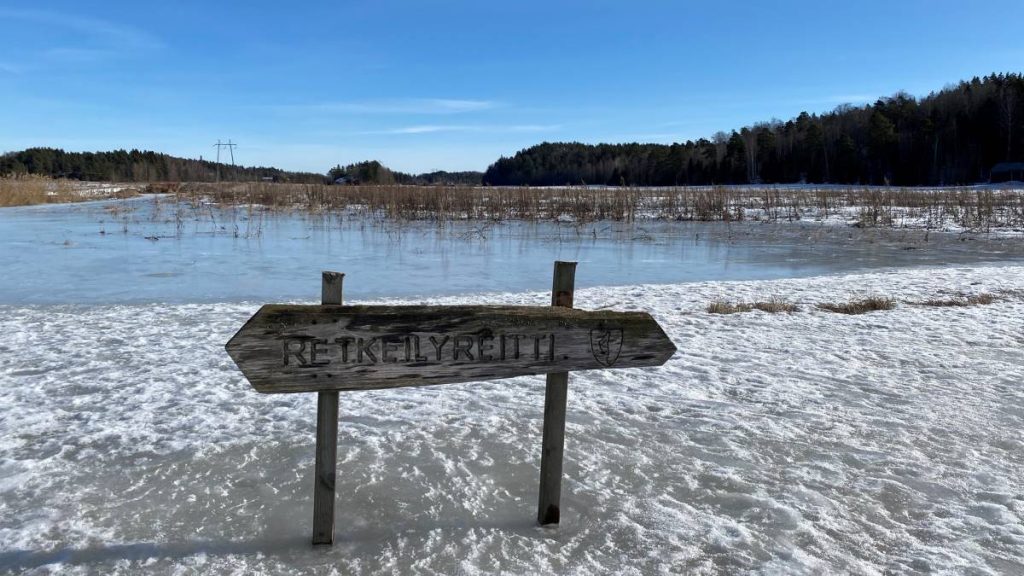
{"points": [[977, 209], [805, 442], [30, 190]]}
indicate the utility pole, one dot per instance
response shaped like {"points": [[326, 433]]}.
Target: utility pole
{"points": [[231, 150]]}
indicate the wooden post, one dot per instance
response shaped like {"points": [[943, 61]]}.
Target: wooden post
{"points": [[326, 436], [555, 396]]}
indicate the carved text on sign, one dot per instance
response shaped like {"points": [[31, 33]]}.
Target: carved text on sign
{"points": [[416, 349], [605, 345]]}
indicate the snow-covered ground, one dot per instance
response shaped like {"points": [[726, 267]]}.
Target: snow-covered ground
{"points": [[75, 190], [895, 217], [809, 442]]}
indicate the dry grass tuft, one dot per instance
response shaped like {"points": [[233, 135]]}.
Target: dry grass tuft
{"points": [[772, 306], [724, 307], [775, 306], [983, 299], [973, 300], [872, 304]]}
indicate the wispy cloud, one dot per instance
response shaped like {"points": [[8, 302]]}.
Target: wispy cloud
{"points": [[394, 106], [485, 128], [102, 36]]}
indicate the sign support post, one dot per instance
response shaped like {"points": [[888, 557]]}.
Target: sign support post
{"points": [[555, 396], [326, 435]]}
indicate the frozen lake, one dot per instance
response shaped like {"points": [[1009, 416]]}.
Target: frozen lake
{"points": [[151, 250]]}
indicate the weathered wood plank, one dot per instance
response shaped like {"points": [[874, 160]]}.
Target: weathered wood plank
{"points": [[326, 467], [326, 435], [330, 287], [556, 394], [292, 348], [549, 500]]}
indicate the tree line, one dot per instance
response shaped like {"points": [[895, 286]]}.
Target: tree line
{"points": [[146, 166], [954, 136], [138, 166], [373, 172]]}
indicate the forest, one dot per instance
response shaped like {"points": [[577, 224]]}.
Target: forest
{"points": [[137, 166], [373, 172], [145, 166], [954, 136]]}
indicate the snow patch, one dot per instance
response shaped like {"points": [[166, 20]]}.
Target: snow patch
{"points": [[800, 443]]}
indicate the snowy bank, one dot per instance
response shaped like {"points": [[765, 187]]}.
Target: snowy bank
{"points": [[797, 443]]}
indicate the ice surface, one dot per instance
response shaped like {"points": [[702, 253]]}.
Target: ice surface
{"points": [[795, 443], [134, 251]]}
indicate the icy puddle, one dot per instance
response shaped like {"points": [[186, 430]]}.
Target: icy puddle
{"points": [[794, 443], [151, 249]]}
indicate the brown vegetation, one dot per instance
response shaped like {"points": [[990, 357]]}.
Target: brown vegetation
{"points": [[724, 307], [967, 208], [28, 190], [871, 304], [776, 305], [771, 306], [972, 300]]}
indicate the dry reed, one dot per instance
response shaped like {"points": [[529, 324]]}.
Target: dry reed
{"points": [[29, 190], [943, 208], [724, 307], [775, 306], [771, 306], [973, 300], [871, 304]]}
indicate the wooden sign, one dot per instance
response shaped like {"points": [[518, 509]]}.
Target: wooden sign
{"points": [[286, 348], [331, 347]]}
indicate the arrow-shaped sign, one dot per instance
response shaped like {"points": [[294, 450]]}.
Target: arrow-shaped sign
{"points": [[286, 348]]}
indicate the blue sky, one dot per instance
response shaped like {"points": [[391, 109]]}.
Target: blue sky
{"points": [[435, 84]]}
